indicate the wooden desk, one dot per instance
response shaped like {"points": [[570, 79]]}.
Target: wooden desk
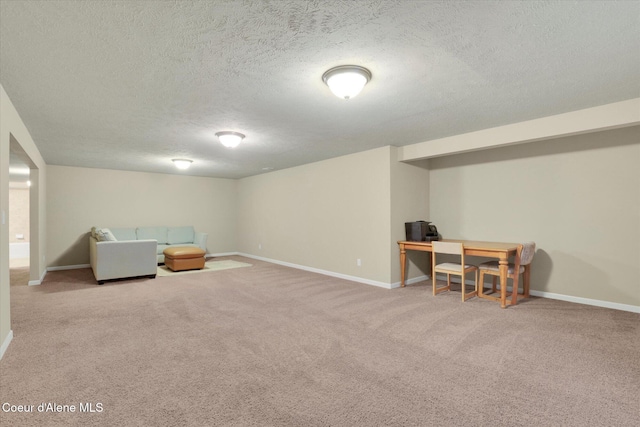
{"points": [[501, 251]]}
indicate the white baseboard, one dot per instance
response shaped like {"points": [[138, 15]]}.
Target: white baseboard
{"points": [[56, 268], [221, 254], [68, 267], [320, 271], [39, 281], [561, 297], [579, 300], [5, 343], [550, 295], [587, 301]]}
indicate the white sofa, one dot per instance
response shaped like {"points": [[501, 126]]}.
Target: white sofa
{"points": [[118, 253]]}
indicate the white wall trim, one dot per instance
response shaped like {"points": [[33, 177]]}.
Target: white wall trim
{"points": [[39, 281], [56, 268], [68, 267], [587, 301], [561, 297], [208, 255], [550, 295], [6, 342], [320, 271]]}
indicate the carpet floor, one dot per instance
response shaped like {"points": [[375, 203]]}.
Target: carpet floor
{"points": [[269, 345], [19, 271], [19, 276]]}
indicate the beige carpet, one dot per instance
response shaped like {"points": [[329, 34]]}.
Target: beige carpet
{"points": [[18, 272], [211, 265], [269, 345], [19, 276]]}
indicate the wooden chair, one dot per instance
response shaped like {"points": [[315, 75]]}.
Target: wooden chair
{"points": [[524, 256], [450, 268]]}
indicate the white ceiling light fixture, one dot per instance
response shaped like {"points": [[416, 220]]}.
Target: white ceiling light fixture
{"points": [[182, 163], [230, 139], [346, 81]]}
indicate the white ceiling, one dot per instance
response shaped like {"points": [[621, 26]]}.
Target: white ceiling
{"points": [[132, 84]]}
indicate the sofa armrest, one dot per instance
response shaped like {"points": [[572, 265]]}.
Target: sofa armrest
{"points": [[201, 240], [120, 259]]}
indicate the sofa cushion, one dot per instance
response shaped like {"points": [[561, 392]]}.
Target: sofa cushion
{"points": [[177, 235], [124, 233], [156, 233], [104, 235]]}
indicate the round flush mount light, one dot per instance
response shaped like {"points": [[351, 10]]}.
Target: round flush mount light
{"points": [[346, 81], [182, 163], [230, 139]]}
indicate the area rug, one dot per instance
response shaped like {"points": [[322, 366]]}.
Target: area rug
{"points": [[163, 270]]}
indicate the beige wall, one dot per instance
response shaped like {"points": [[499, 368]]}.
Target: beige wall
{"points": [[80, 198], [409, 202], [13, 133], [578, 198], [329, 214], [18, 214], [323, 215]]}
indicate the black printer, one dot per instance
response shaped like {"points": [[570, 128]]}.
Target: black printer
{"points": [[421, 231]]}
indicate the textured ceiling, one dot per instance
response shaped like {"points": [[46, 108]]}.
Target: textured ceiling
{"points": [[132, 84]]}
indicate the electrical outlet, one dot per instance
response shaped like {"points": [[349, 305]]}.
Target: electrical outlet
{"points": [[359, 262], [259, 245]]}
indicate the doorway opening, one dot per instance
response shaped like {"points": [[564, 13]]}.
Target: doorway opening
{"points": [[22, 270]]}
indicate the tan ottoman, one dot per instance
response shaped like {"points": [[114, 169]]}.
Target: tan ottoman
{"points": [[180, 258]]}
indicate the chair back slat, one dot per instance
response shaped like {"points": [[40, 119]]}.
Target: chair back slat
{"points": [[453, 248]]}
